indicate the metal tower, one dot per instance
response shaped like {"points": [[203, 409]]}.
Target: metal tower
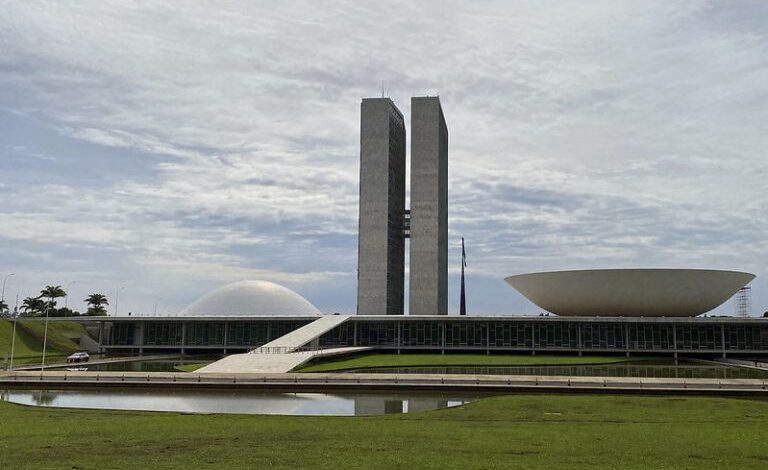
{"points": [[744, 302]]}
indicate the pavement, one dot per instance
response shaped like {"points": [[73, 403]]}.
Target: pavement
{"points": [[353, 381], [95, 362]]}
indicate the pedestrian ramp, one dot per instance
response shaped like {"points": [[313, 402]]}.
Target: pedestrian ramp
{"points": [[286, 352], [304, 335]]}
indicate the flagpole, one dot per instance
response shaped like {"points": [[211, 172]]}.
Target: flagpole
{"points": [[463, 302]]}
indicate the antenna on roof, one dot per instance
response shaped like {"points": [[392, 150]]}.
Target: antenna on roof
{"points": [[744, 302], [382, 88]]}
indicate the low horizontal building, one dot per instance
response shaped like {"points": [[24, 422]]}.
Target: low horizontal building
{"points": [[705, 336]]}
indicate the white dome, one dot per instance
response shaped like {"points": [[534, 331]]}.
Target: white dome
{"points": [[246, 298]]}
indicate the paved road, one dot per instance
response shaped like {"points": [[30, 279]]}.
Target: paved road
{"points": [[111, 360], [341, 381]]}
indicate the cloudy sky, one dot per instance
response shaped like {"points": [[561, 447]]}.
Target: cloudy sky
{"points": [[170, 148]]}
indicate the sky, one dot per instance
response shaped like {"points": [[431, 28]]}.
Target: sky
{"points": [[164, 149]]}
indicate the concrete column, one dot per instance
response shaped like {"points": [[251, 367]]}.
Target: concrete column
{"points": [[139, 339], [226, 328], [580, 342], [722, 339], [398, 325], [442, 350], [487, 338], [183, 337], [101, 337], [674, 341], [626, 338]]}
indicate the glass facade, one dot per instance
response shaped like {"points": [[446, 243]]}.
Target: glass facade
{"points": [[501, 334]]}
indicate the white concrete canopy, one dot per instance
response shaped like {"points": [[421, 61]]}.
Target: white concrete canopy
{"points": [[630, 292]]}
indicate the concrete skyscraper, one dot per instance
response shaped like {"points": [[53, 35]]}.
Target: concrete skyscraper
{"points": [[429, 208], [381, 240]]}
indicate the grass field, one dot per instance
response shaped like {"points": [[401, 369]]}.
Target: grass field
{"points": [[190, 367], [414, 360], [517, 431], [29, 340]]}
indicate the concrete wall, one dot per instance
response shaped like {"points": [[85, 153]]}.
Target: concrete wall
{"points": [[381, 244], [429, 208]]}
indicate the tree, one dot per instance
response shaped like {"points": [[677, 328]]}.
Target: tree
{"points": [[3, 308], [33, 306], [96, 303], [52, 293]]}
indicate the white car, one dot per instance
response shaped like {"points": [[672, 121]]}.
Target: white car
{"points": [[80, 356]]}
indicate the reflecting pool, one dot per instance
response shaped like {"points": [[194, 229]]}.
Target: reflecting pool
{"points": [[659, 369], [241, 402]]}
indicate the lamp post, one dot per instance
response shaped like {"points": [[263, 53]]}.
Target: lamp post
{"points": [[13, 342], [117, 297], [2, 298], [45, 337], [157, 302], [66, 291], [13, 338]]}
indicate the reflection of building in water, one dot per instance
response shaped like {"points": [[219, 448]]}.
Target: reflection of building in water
{"points": [[43, 397], [425, 404], [377, 405]]}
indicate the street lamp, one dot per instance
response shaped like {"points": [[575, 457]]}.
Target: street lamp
{"points": [[45, 337], [117, 297], [157, 302], [66, 291], [2, 298], [13, 341]]}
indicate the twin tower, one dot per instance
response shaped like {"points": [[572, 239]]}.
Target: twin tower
{"points": [[384, 221]]}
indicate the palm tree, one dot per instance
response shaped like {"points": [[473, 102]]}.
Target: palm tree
{"points": [[96, 304], [33, 306], [52, 293]]}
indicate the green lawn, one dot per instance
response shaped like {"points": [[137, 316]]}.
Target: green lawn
{"points": [[190, 367], [516, 431], [414, 360], [29, 340]]}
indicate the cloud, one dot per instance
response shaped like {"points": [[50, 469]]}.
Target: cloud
{"points": [[177, 148]]}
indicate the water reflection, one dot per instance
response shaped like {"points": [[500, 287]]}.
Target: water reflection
{"points": [[640, 369], [243, 402]]}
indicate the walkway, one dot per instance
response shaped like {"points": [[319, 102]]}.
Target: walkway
{"points": [[755, 365], [304, 335], [286, 352], [348, 381]]}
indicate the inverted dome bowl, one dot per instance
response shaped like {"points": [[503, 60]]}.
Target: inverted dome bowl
{"points": [[630, 292]]}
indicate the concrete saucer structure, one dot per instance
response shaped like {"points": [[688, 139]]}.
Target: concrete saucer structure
{"points": [[630, 292]]}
